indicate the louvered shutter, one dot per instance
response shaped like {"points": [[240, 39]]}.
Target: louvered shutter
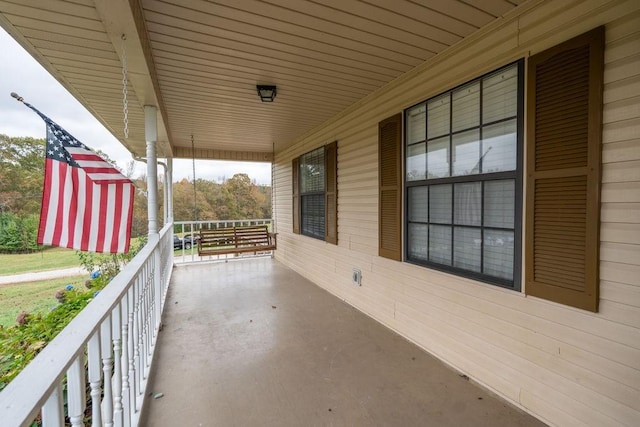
{"points": [[390, 187], [331, 193], [564, 131], [295, 170]]}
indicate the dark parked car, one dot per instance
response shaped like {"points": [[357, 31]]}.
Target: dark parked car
{"points": [[187, 242]]}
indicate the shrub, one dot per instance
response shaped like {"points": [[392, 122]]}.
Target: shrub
{"points": [[18, 234], [19, 344]]}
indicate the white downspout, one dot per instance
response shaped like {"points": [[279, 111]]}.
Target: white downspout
{"points": [[167, 208], [169, 186]]}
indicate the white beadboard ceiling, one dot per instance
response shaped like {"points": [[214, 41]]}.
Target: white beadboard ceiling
{"points": [[199, 61]]}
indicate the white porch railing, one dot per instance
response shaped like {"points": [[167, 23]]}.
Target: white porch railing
{"points": [[192, 228], [107, 349]]}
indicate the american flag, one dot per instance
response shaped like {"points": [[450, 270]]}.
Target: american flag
{"points": [[87, 204]]}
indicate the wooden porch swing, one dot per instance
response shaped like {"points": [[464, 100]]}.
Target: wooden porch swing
{"points": [[231, 240], [234, 240]]}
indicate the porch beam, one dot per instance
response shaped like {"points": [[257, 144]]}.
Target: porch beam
{"points": [[209, 154], [124, 17]]}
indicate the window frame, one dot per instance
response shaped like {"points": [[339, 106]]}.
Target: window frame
{"points": [[328, 193], [313, 194], [516, 175]]}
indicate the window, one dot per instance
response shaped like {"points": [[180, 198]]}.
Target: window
{"points": [[312, 193], [315, 193], [462, 178]]}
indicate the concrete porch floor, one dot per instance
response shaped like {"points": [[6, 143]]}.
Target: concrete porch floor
{"points": [[252, 343]]}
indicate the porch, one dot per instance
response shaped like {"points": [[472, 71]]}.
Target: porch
{"points": [[345, 71], [251, 342]]}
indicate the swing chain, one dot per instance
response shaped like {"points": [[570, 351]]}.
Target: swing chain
{"points": [[195, 191], [125, 102]]}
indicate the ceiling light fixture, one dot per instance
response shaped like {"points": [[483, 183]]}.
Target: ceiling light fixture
{"points": [[266, 93]]}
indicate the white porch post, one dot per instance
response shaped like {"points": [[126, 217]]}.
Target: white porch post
{"points": [[151, 135], [170, 188]]}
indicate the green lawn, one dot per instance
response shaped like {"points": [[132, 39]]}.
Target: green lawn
{"points": [[48, 259], [32, 297]]}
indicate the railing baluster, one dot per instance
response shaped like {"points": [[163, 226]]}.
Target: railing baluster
{"points": [[136, 344], [143, 324], [107, 369], [145, 320], [130, 346], [95, 374], [76, 391], [117, 366], [52, 410], [152, 304], [145, 307], [126, 390], [152, 309], [157, 286], [139, 324]]}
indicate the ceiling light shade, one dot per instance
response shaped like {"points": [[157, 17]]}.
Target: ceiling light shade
{"points": [[266, 93]]}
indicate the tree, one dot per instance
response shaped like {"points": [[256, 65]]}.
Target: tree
{"points": [[21, 174], [245, 199], [21, 180], [139, 223]]}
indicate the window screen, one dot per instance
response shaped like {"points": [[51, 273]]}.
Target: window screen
{"points": [[462, 175], [312, 193]]}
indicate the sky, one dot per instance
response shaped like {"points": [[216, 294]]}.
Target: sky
{"points": [[22, 74]]}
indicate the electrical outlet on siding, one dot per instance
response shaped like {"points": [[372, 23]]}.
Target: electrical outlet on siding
{"points": [[356, 277]]}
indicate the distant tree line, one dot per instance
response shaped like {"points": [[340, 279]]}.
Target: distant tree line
{"points": [[21, 180]]}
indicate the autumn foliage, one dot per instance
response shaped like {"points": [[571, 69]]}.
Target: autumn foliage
{"points": [[21, 179]]}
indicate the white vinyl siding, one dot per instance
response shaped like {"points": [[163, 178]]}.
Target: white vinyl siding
{"points": [[564, 365]]}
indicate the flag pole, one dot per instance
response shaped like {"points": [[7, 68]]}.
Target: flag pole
{"points": [[17, 97]]}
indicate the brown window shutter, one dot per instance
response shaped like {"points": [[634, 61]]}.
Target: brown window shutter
{"points": [[295, 170], [390, 187], [564, 132], [331, 193]]}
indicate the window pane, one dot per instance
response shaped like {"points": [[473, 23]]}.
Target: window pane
{"points": [[416, 124], [416, 162], [419, 204], [440, 203], [466, 107], [438, 116], [498, 253], [467, 248], [458, 213], [313, 215], [418, 241], [466, 153], [440, 244], [500, 95], [499, 147], [468, 204], [312, 171], [499, 203], [438, 158]]}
